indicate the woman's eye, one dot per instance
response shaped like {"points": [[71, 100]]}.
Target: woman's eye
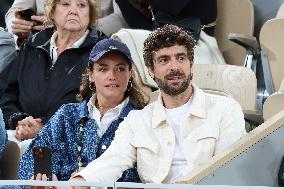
{"points": [[120, 69], [82, 5], [65, 4], [102, 69]]}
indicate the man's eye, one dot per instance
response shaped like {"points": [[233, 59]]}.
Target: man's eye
{"points": [[163, 60], [181, 58]]}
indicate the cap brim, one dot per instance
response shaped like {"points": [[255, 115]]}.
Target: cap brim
{"points": [[99, 56]]}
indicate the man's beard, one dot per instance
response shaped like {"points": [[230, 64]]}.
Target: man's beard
{"points": [[173, 90]]}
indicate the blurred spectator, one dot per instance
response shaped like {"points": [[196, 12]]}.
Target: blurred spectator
{"points": [[7, 54], [5, 5], [46, 72], [8, 49], [3, 134], [112, 20], [84, 130], [142, 13]]}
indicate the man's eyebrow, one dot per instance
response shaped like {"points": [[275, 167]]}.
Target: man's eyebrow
{"points": [[181, 54], [163, 56]]}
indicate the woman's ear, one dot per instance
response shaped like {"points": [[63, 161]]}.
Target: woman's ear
{"points": [[89, 72]]}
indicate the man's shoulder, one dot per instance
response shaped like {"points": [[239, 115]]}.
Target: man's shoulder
{"points": [[221, 103], [143, 114]]}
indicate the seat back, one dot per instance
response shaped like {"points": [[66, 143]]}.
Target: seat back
{"points": [[273, 105], [9, 162], [233, 16], [237, 81], [280, 12], [271, 40]]}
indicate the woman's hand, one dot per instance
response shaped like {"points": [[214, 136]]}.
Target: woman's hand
{"points": [[28, 128], [38, 19], [21, 28], [43, 177]]}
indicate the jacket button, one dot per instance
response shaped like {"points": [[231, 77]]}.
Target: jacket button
{"points": [[104, 147]]}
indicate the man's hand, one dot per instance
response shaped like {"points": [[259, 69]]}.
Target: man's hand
{"points": [[28, 128]]}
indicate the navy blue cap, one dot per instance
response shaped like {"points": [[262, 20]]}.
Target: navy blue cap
{"points": [[108, 45]]}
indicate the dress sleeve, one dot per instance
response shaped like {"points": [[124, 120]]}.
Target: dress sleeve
{"points": [[47, 137]]}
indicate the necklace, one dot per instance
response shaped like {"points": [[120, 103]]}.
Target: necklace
{"points": [[80, 143]]}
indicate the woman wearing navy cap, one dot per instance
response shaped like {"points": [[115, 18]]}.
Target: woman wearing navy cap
{"points": [[80, 132]]}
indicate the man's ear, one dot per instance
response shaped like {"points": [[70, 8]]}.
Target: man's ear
{"points": [[151, 71]]}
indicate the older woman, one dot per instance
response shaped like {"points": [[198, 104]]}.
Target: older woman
{"points": [[80, 132], [46, 73]]}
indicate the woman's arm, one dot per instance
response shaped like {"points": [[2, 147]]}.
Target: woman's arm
{"points": [[17, 5], [48, 137]]}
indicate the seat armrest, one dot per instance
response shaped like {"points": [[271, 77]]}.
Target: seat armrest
{"points": [[281, 89], [246, 41]]}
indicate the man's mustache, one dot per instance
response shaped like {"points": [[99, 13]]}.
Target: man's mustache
{"points": [[175, 73]]}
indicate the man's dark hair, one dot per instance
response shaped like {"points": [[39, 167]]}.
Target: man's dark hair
{"points": [[167, 36]]}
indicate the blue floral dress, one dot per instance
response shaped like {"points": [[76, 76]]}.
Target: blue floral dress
{"points": [[60, 134]]}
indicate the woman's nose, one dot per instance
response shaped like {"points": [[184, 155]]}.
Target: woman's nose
{"points": [[73, 8], [111, 75]]}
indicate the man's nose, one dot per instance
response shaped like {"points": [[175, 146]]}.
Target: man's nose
{"points": [[174, 64]]}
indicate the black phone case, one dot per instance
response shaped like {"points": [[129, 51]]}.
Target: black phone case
{"points": [[42, 161], [26, 14]]}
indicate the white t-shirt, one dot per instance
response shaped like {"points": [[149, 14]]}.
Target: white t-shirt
{"points": [[175, 116]]}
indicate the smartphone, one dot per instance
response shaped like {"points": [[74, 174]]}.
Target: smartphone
{"points": [[26, 14], [42, 161]]}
